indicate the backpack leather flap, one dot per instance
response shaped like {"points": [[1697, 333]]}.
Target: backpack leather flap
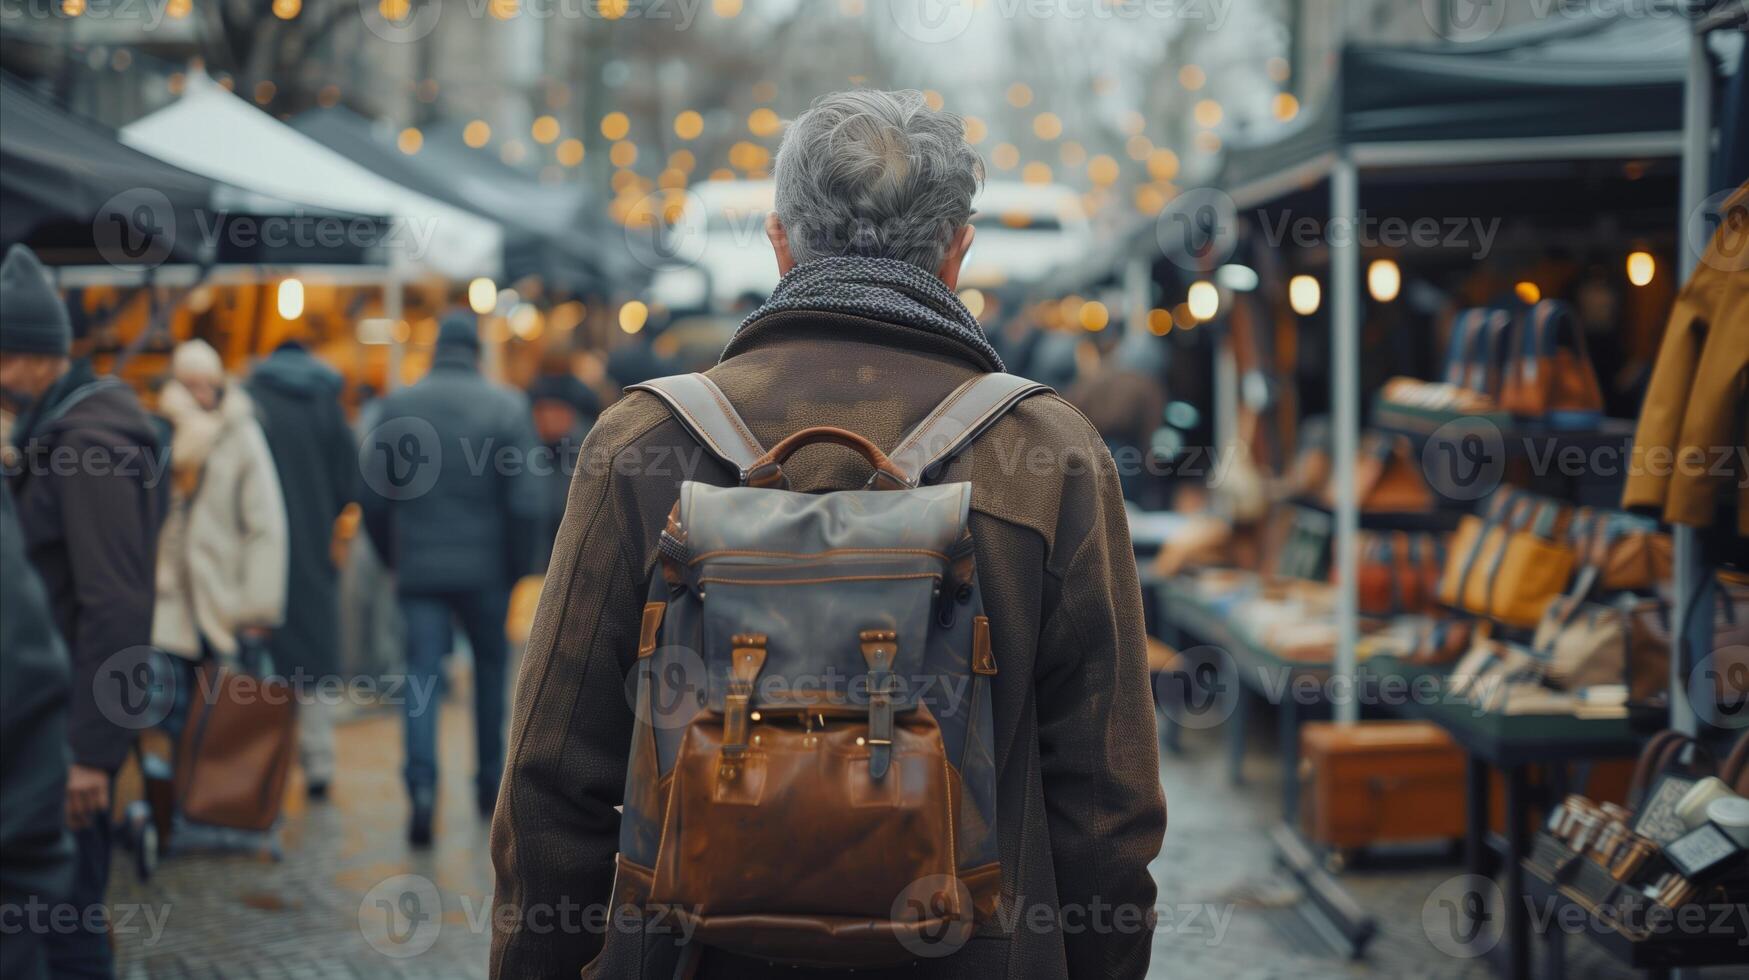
{"points": [[888, 562]]}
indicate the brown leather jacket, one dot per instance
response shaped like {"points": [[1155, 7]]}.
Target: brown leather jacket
{"points": [[1080, 811]]}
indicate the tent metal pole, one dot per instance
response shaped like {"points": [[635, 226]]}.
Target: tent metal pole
{"points": [[1693, 581], [393, 312], [1345, 419], [1693, 635]]}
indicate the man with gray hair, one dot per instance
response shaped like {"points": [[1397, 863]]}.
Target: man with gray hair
{"points": [[864, 332]]}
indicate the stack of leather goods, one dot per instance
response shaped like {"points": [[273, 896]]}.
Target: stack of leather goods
{"points": [[1692, 422], [1594, 582], [1684, 842], [1525, 363], [1511, 560], [1399, 572]]}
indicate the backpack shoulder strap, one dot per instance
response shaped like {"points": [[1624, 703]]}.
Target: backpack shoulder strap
{"points": [[960, 418], [700, 406]]}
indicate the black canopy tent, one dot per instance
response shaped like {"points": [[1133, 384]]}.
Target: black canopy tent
{"points": [[550, 230], [59, 172], [96, 207], [1598, 87], [1570, 113]]}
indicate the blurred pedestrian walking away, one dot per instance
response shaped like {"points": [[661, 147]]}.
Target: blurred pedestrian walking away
{"points": [[451, 508], [91, 532], [36, 852], [372, 639], [297, 399], [222, 553], [564, 411]]}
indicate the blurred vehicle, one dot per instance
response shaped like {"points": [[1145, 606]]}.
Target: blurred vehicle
{"points": [[720, 246], [1024, 230]]}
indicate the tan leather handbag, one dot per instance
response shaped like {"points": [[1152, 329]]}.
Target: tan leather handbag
{"points": [[1648, 659], [1630, 552], [1391, 480], [1490, 554], [1583, 643], [1535, 567], [1549, 376], [1461, 554]]}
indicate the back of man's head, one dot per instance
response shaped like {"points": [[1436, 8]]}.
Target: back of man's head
{"points": [[875, 174]]}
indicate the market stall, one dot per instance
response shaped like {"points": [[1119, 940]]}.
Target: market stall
{"points": [[1562, 122]]}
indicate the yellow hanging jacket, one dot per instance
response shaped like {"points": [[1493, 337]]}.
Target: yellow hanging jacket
{"points": [[1689, 450]]}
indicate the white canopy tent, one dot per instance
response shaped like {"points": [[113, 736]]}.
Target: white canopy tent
{"points": [[212, 132]]}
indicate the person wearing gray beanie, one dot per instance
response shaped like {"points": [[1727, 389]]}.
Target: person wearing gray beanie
{"points": [[35, 337], [93, 542], [33, 320]]}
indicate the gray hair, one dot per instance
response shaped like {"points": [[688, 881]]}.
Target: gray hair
{"points": [[875, 174]]}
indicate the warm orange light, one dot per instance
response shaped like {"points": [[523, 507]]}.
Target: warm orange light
{"points": [[1641, 268]]}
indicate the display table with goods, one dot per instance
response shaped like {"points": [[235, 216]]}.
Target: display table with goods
{"points": [[1514, 745], [1238, 631], [1663, 885]]}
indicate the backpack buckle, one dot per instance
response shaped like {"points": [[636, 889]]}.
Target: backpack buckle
{"points": [[880, 648], [746, 660]]}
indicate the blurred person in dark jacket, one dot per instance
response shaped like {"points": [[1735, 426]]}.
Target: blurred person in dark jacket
{"points": [[1125, 401], [451, 508], [36, 852], [372, 640], [87, 478], [297, 398], [564, 410]]}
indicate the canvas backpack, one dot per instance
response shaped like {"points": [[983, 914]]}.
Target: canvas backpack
{"points": [[812, 777]]}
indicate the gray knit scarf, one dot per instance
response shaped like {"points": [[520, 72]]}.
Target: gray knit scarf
{"points": [[879, 289]]}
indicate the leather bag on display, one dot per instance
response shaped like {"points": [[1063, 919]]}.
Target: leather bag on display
{"points": [[1549, 377]]}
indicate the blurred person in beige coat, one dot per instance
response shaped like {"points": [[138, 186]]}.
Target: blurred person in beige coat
{"points": [[222, 553]]}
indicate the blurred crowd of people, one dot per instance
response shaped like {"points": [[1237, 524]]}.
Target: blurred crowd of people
{"points": [[245, 521], [219, 528]]}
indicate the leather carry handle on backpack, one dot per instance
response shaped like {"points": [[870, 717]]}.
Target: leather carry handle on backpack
{"points": [[812, 778], [767, 471]]}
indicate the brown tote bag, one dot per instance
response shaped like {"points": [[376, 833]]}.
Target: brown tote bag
{"points": [[236, 750]]}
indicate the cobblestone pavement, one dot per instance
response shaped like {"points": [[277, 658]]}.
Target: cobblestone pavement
{"points": [[325, 910]]}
